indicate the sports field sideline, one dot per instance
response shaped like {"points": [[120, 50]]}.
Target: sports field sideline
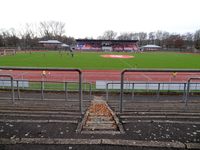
{"points": [[94, 60]]}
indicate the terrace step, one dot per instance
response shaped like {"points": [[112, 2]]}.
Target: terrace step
{"points": [[100, 119]]}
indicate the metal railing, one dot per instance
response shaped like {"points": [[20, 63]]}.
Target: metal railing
{"points": [[133, 87], [188, 88], [145, 70], [12, 86], [53, 69]]}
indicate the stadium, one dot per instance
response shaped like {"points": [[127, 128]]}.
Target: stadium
{"points": [[108, 89]]}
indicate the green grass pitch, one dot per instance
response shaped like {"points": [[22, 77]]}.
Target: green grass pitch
{"points": [[92, 60]]}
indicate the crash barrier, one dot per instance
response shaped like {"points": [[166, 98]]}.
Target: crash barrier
{"points": [[43, 86], [148, 70], [152, 86], [52, 69], [189, 88], [11, 84]]}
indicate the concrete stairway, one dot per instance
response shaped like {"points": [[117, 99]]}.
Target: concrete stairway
{"points": [[100, 119]]}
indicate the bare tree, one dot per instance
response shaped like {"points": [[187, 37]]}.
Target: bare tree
{"points": [[128, 36], [152, 37], [189, 40], [158, 37], [175, 41], [142, 38], [1, 40], [109, 35], [52, 29], [165, 39], [28, 36], [124, 36], [197, 39], [9, 38]]}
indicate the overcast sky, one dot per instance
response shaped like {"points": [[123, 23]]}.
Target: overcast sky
{"points": [[90, 18]]}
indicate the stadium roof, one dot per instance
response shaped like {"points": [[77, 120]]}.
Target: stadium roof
{"points": [[65, 45], [151, 46], [50, 42]]}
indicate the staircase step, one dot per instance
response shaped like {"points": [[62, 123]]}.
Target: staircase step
{"points": [[100, 119], [100, 127], [101, 132], [101, 122], [103, 118]]}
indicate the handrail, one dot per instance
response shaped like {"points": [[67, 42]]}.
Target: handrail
{"points": [[147, 70], [158, 89], [12, 86], [54, 69], [188, 88]]}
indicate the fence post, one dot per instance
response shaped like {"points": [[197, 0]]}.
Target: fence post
{"points": [[107, 91], [121, 91], [66, 92], [187, 93], [133, 93], [158, 91], [184, 91], [18, 91], [90, 91], [13, 91], [42, 90], [80, 92]]}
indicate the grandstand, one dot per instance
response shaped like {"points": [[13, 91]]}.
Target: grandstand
{"points": [[107, 45]]}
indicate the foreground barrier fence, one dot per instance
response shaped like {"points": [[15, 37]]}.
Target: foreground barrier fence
{"points": [[47, 69], [43, 86], [12, 86], [189, 87], [149, 70], [133, 87]]}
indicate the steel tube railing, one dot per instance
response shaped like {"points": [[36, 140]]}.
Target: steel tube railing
{"points": [[188, 88], [146, 70], [12, 86], [53, 69]]}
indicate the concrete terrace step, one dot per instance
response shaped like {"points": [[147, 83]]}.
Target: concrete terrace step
{"points": [[100, 127], [38, 115], [101, 122], [99, 118], [160, 113], [46, 112], [159, 116]]}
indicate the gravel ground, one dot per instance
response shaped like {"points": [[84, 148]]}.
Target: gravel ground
{"points": [[134, 131], [77, 147]]}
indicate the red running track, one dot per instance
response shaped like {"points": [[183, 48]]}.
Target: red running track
{"points": [[95, 75]]}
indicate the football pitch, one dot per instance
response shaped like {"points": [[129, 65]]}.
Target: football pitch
{"points": [[94, 60]]}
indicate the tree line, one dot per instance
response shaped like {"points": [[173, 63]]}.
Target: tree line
{"points": [[31, 34], [162, 38]]}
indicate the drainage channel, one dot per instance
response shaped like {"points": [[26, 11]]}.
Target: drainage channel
{"points": [[100, 119]]}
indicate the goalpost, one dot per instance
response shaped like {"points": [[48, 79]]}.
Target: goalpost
{"points": [[4, 52]]}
